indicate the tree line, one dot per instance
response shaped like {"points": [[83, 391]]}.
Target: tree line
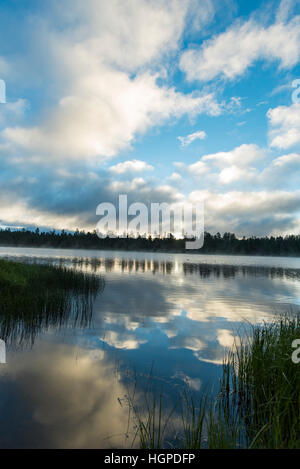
{"points": [[213, 244]]}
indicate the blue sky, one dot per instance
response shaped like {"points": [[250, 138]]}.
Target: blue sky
{"points": [[164, 100]]}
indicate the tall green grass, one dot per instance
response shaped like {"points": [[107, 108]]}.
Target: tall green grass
{"points": [[258, 403], [36, 296], [263, 383]]}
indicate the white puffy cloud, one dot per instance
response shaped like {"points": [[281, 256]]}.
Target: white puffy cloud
{"points": [[198, 169], [245, 167], [282, 172], [231, 53], [105, 70], [131, 166], [228, 167], [127, 34], [175, 177], [185, 141], [234, 173], [20, 213], [235, 165], [255, 203], [284, 160], [110, 109], [239, 156], [262, 211], [284, 124]]}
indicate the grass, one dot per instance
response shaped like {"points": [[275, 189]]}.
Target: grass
{"points": [[36, 296], [258, 403], [262, 381]]}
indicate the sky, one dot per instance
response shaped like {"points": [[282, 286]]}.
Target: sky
{"points": [[163, 100]]}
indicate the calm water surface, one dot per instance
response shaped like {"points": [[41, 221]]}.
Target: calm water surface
{"points": [[168, 316]]}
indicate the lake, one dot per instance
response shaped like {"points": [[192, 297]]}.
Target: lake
{"points": [[163, 321]]}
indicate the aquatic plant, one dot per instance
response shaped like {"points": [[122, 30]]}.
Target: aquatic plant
{"points": [[36, 296], [258, 403]]}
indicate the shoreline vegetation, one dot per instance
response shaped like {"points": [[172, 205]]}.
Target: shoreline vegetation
{"points": [[258, 403], [39, 296], [213, 244]]}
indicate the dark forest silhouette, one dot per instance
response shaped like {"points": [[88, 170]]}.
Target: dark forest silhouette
{"points": [[213, 244]]}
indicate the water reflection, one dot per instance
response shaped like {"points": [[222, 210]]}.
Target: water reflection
{"points": [[175, 318], [168, 268], [61, 396], [194, 315]]}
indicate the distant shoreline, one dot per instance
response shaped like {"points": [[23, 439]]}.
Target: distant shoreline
{"points": [[149, 251], [217, 244]]}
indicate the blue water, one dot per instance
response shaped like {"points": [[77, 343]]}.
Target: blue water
{"points": [[163, 319]]}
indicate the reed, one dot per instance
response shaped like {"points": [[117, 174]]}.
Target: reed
{"points": [[263, 383], [37, 296], [258, 403]]}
